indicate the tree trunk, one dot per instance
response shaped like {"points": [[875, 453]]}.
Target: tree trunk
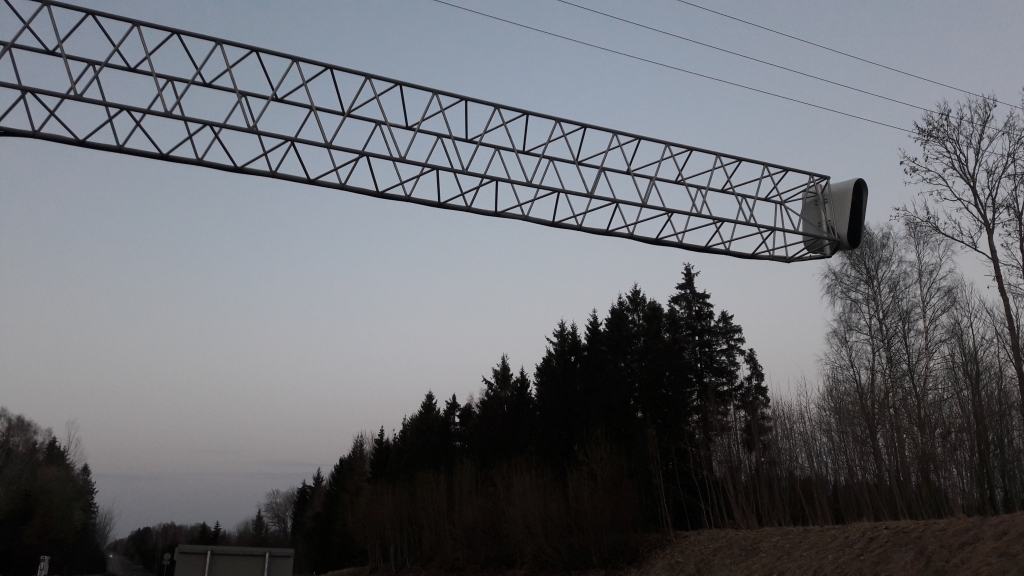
{"points": [[1011, 324]]}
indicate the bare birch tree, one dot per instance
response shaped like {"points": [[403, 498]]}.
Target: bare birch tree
{"points": [[277, 505], [969, 174]]}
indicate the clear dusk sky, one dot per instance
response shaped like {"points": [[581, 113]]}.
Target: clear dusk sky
{"points": [[216, 336]]}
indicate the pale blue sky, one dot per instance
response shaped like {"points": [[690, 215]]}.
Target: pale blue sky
{"points": [[217, 335]]}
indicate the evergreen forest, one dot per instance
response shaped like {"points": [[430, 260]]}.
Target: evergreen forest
{"points": [[47, 502], [613, 437]]}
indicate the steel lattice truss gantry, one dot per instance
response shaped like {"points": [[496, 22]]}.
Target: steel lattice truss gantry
{"points": [[77, 76]]}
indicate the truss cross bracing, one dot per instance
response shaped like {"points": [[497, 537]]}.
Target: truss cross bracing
{"points": [[77, 76]]}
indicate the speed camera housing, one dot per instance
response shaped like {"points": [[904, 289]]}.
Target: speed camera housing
{"points": [[838, 212]]}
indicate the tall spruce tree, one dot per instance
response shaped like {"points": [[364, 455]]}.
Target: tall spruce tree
{"points": [[424, 440], [594, 379], [302, 509], [502, 428], [259, 529], [332, 544], [706, 355], [561, 403], [753, 403], [204, 536], [309, 500], [634, 351], [380, 457], [454, 436]]}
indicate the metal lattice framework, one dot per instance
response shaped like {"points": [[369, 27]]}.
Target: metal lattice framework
{"points": [[77, 76]]}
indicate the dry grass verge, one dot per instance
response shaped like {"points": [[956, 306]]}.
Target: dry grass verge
{"points": [[973, 546]]}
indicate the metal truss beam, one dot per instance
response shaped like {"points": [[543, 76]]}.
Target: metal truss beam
{"points": [[78, 76]]}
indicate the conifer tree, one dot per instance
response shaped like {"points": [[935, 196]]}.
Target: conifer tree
{"points": [[454, 438], [332, 544], [593, 377], [705, 355], [503, 424], [204, 537], [422, 441], [259, 529], [706, 352], [55, 454], [308, 503], [753, 402], [90, 510], [635, 353], [301, 512], [380, 457], [467, 428], [561, 404]]}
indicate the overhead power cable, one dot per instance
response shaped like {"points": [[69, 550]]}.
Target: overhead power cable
{"points": [[676, 68], [745, 56], [752, 58], [841, 53]]}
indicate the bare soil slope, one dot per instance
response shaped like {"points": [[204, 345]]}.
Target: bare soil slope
{"points": [[971, 546], [974, 546]]}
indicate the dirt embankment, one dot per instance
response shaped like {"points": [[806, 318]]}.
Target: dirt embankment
{"points": [[973, 546]]}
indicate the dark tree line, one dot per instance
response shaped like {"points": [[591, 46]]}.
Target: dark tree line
{"points": [[146, 546], [614, 436], [269, 527], [47, 502]]}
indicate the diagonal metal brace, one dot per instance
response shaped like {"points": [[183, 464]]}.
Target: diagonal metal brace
{"points": [[79, 76]]}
